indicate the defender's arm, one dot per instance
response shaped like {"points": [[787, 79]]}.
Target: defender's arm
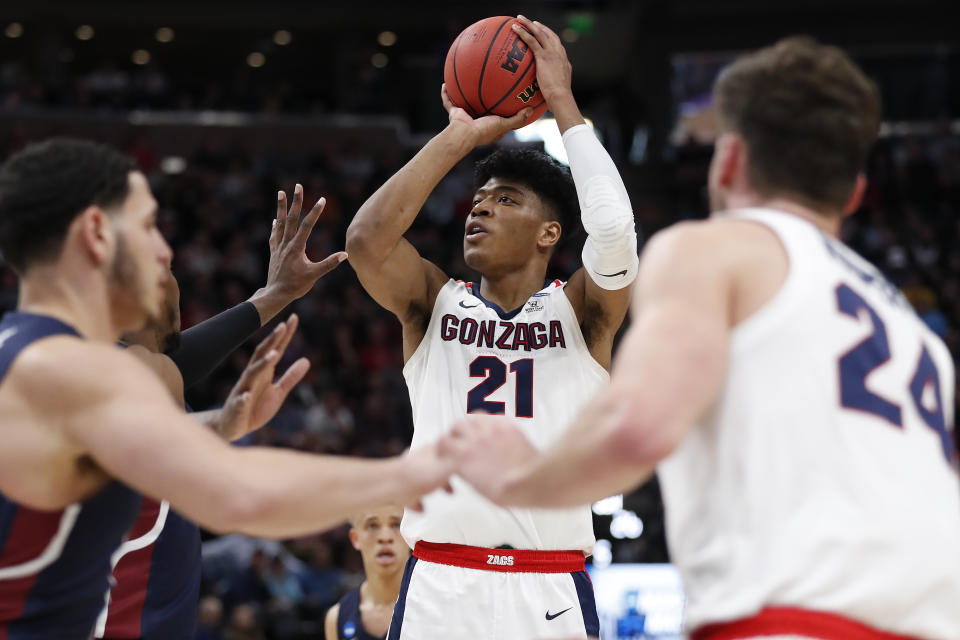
{"points": [[122, 417]]}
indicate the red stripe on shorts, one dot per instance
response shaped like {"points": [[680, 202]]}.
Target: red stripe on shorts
{"points": [[507, 560], [791, 621]]}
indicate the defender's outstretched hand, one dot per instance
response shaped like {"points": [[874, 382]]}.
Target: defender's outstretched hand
{"points": [[489, 452], [291, 273], [485, 129], [256, 398]]}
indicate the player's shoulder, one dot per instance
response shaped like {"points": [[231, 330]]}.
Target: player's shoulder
{"points": [[78, 369], [330, 622], [711, 243]]}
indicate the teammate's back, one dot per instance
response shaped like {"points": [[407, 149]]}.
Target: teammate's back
{"points": [[822, 476]]}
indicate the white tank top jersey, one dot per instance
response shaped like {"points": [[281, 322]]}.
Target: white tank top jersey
{"points": [[531, 365], [823, 476]]}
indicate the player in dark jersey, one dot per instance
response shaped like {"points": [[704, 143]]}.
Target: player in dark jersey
{"points": [[364, 613], [157, 576], [78, 225]]}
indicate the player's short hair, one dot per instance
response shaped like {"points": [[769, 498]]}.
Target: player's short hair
{"points": [[548, 178], [46, 185], [808, 115]]}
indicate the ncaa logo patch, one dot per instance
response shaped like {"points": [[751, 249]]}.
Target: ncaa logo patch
{"points": [[349, 630]]}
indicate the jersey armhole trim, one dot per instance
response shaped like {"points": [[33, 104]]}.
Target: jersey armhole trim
{"points": [[419, 352], [788, 297], [561, 289]]}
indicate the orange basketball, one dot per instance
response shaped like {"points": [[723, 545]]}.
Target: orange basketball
{"points": [[490, 70]]}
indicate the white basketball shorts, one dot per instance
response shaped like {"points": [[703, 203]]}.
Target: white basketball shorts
{"points": [[456, 592]]}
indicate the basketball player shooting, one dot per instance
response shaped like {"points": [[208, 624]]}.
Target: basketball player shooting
{"points": [[796, 409], [82, 418], [513, 344]]}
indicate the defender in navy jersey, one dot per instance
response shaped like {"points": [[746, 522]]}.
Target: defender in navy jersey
{"points": [[157, 569], [78, 225], [798, 412], [515, 343], [364, 613]]}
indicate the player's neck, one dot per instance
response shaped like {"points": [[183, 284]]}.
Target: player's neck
{"points": [[510, 290], [148, 337], [382, 588], [71, 297], [829, 223]]}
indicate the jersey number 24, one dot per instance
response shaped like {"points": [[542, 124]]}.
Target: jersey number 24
{"points": [[872, 353]]}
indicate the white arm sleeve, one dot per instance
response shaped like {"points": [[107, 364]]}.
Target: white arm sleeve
{"points": [[610, 252]]}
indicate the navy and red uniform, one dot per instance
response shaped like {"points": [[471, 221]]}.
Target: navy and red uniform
{"points": [[55, 565], [157, 576], [350, 622], [157, 579]]}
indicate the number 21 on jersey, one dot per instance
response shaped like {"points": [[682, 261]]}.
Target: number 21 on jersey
{"points": [[493, 370]]}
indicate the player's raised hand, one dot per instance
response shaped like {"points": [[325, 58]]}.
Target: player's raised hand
{"points": [[291, 273], [256, 397], [554, 71], [486, 451], [485, 129]]}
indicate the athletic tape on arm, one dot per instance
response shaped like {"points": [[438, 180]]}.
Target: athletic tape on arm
{"points": [[610, 252]]}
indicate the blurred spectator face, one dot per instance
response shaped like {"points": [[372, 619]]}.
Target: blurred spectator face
{"points": [[258, 561], [210, 612], [376, 535], [243, 618]]}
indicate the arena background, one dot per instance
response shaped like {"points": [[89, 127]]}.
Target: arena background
{"points": [[222, 103]]}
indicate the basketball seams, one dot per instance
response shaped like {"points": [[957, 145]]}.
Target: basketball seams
{"points": [[483, 68], [469, 107], [510, 91]]}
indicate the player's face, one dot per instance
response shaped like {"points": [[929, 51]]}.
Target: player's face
{"points": [[377, 537], [170, 317], [140, 268], [504, 226]]}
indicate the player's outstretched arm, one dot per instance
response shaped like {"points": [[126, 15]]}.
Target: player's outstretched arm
{"points": [[669, 369], [600, 291], [118, 413], [290, 275], [388, 266]]}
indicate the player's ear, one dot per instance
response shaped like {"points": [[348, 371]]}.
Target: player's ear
{"points": [[729, 162], [856, 196], [354, 538], [549, 234], [95, 233]]}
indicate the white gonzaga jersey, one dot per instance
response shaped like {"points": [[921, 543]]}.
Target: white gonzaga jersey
{"points": [[823, 478], [531, 365]]}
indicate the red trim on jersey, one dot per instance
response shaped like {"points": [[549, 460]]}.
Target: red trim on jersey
{"points": [[13, 598], [506, 560], [132, 574], [776, 621], [29, 536], [558, 283]]}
